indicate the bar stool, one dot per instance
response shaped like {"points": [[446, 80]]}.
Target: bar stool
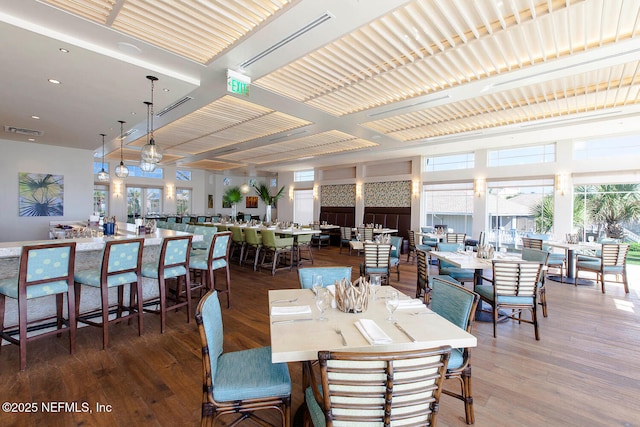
{"points": [[44, 270], [121, 265], [217, 257], [173, 263]]}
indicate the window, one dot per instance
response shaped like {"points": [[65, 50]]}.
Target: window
{"points": [[599, 148], [101, 199], [446, 163], [306, 175], [143, 201], [522, 156], [183, 200], [449, 204], [516, 207], [158, 173], [303, 206], [97, 167], [182, 175]]}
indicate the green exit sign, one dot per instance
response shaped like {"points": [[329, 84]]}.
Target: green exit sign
{"points": [[238, 83]]}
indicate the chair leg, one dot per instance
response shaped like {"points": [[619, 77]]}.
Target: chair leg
{"points": [[138, 288], [534, 317], [162, 290], [22, 310], [467, 395], [104, 291], [625, 282], [495, 320], [543, 301]]}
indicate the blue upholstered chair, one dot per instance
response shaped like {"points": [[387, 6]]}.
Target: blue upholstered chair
{"points": [[444, 268], [555, 259], [612, 260], [541, 256], [514, 287], [216, 258], [321, 239], [172, 263], [329, 275], [207, 236], [457, 305], [404, 387], [44, 270], [394, 255], [239, 382], [121, 265], [425, 280]]}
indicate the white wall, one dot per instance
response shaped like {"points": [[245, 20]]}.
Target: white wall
{"points": [[75, 165]]}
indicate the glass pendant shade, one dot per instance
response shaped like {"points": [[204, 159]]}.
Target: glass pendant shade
{"points": [[150, 153], [122, 171], [147, 167], [103, 176]]}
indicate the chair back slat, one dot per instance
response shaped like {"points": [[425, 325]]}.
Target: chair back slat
{"points": [[412, 239], [614, 254], [456, 237], [530, 243], [515, 278], [400, 388], [423, 268], [345, 233]]}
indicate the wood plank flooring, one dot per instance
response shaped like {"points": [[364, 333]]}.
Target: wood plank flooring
{"points": [[585, 370]]}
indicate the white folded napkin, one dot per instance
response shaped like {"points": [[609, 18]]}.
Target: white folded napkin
{"points": [[331, 289], [372, 332], [410, 304], [290, 309]]}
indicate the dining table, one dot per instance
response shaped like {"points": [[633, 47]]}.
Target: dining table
{"points": [[571, 251]]}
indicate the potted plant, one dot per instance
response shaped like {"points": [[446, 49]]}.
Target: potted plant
{"points": [[232, 197], [263, 192]]}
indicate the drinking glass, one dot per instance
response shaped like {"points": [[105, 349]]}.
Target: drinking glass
{"points": [[391, 303], [323, 301], [317, 283], [375, 281]]}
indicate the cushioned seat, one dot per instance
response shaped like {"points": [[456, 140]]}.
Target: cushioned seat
{"points": [[612, 261], [216, 258], [460, 274]]}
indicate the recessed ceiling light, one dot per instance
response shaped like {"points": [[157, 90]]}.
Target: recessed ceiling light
{"points": [[54, 81], [63, 50], [35, 117], [166, 89]]}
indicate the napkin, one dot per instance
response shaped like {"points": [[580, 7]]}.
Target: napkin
{"points": [[290, 310], [331, 289], [410, 304], [372, 332]]}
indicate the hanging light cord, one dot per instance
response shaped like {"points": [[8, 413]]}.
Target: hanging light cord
{"points": [[152, 140], [121, 140], [103, 135]]}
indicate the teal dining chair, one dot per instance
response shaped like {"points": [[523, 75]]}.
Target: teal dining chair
{"points": [[172, 263], [329, 275], [240, 382], [44, 270], [460, 274], [425, 278], [216, 258], [541, 256], [458, 305], [121, 265], [394, 255]]}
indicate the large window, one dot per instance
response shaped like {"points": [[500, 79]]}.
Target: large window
{"points": [[97, 167], [183, 200], [450, 205], [303, 176], [447, 163], [182, 175], [101, 199], [516, 207], [303, 206], [610, 147], [522, 156], [142, 201], [158, 173]]}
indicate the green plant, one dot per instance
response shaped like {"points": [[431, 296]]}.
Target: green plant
{"points": [[232, 195], [263, 192]]}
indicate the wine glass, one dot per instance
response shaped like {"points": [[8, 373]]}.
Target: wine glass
{"points": [[391, 303], [375, 281], [323, 301], [316, 283]]}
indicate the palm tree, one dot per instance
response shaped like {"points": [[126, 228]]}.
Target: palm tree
{"points": [[542, 213], [612, 204]]}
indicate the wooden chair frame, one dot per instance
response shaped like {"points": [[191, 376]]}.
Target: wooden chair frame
{"points": [[612, 255]]}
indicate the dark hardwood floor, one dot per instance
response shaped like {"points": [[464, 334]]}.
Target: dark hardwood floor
{"points": [[585, 370]]}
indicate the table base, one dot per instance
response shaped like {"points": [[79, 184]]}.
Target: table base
{"points": [[486, 315], [572, 280]]}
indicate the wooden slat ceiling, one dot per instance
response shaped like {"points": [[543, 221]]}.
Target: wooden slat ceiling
{"points": [[198, 30], [214, 165]]}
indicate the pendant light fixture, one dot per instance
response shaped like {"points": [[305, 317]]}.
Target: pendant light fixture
{"points": [[144, 165], [122, 171], [150, 152], [103, 176]]}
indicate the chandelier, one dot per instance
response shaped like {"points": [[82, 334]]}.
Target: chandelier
{"points": [[150, 152], [122, 171]]}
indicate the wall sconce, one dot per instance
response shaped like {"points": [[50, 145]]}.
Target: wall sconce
{"points": [[479, 187], [415, 188], [291, 192], [315, 192], [117, 189], [358, 190], [561, 184], [170, 191]]}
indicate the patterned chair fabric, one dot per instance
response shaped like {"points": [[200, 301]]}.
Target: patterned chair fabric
{"points": [[515, 287], [399, 388], [458, 305], [329, 275], [217, 258], [44, 270], [207, 236], [241, 381], [121, 265], [612, 260], [172, 263]]}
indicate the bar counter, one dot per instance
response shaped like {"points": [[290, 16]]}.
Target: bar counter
{"points": [[88, 255]]}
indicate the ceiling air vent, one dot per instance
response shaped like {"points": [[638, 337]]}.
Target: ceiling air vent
{"points": [[23, 131], [291, 37], [174, 105]]}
